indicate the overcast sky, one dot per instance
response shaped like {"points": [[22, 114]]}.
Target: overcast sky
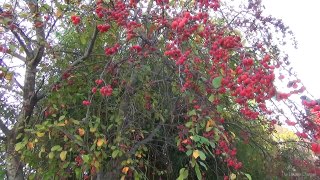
{"points": [[303, 18]]}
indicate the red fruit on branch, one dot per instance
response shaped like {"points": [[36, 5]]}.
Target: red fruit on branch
{"points": [[103, 27], [315, 147], [75, 19], [106, 90], [86, 103], [99, 81]]}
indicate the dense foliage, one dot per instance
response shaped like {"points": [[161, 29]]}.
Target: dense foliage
{"points": [[150, 90]]}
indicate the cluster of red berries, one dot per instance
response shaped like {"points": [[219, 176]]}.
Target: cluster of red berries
{"points": [[112, 50], [75, 19], [103, 27]]}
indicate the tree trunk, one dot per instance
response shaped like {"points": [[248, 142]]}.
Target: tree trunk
{"points": [[13, 165]]}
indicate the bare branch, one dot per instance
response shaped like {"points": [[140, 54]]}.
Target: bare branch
{"points": [[18, 84], [89, 48], [22, 43], [40, 34], [18, 56], [51, 28], [4, 128], [26, 39], [146, 140]]}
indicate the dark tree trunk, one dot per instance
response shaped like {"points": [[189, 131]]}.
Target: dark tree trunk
{"points": [[13, 164]]}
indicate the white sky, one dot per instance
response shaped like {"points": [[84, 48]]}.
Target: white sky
{"points": [[303, 18]]}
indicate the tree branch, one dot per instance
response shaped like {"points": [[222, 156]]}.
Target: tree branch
{"points": [[88, 50], [146, 140], [86, 54], [4, 128], [40, 34], [22, 43], [26, 39], [18, 56]]}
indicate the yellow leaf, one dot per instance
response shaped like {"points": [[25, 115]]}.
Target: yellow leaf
{"points": [[96, 164], [100, 142], [9, 76], [59, 13], [40, 134], [51, 155], [138, 155], [233, 176], [61, 124], [30, 145], [93, 129], [233, 73], [81, 131], [63, 155], [195, 154], [233, 135], [210, 123], [125, 170]]}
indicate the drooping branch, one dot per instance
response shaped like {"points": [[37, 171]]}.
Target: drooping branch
{"points": [[88, 49], [85, 55], [146, 140]]}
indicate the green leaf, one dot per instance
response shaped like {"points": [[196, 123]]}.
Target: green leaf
{"points": [[193, 162], [51, 155], [19, 146], [203, 165], [189, 152], [212, 144], [192, 113], [86, 158], [76, 122], [19, 136], [211, 98], [61, 118], [216, 82], [198, 173], [56, 148], [78, 173], [115, 154], [219, 108], [83, 40], [183, 174], [202, 155], [189, 124], [248, 176]]}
